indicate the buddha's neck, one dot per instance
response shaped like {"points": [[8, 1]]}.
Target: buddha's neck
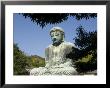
{"points": [[57, 44]]}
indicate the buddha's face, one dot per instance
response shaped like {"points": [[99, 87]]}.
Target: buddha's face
{"points": [[56, 37]]}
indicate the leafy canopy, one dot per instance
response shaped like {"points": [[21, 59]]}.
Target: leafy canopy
{"points": [[43, 19]]}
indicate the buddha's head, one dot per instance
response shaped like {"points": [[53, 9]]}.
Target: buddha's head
{"points": [[57, 35]]}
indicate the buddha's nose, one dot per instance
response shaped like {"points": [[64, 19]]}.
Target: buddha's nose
{"points": [[54, 39]]}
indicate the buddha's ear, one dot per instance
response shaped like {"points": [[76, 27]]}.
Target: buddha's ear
{"points": [[63, 37], [47, 54]]}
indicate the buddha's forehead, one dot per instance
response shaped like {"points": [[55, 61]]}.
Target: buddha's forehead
{"points": [[56, 29]]}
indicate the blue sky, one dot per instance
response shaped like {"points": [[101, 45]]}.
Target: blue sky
{"points": [[33, 40]]}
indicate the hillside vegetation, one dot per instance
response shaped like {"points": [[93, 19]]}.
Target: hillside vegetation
{"points": [[22, 62]]}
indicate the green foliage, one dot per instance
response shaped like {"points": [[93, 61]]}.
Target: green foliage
{"points": [[85, 57], [43, 19], [20, 62], [85, 39], [87, 63], [23, 62], [35, 61], [87, 43]]}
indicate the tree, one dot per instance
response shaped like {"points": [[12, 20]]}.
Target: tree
{"points": [[85, 56], [20, 61], [43, 19], [23, 62], [35, 61], [86, 41]]}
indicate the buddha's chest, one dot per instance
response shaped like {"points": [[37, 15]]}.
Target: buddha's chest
{"points": [[58, 54], [56, 50]]}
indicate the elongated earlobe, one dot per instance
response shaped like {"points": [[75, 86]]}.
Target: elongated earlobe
{"points": [[63, 37]]}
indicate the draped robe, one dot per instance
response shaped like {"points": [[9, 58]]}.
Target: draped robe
{"points": [[56, 61]]}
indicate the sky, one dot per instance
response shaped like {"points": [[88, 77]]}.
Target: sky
{"points": [[33, 39]]}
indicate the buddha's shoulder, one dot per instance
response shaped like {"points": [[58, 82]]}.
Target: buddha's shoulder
{"points": [[49, 46], [68, 44]]}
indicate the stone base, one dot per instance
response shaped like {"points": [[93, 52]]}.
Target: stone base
{"points": [[53, 71]]}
